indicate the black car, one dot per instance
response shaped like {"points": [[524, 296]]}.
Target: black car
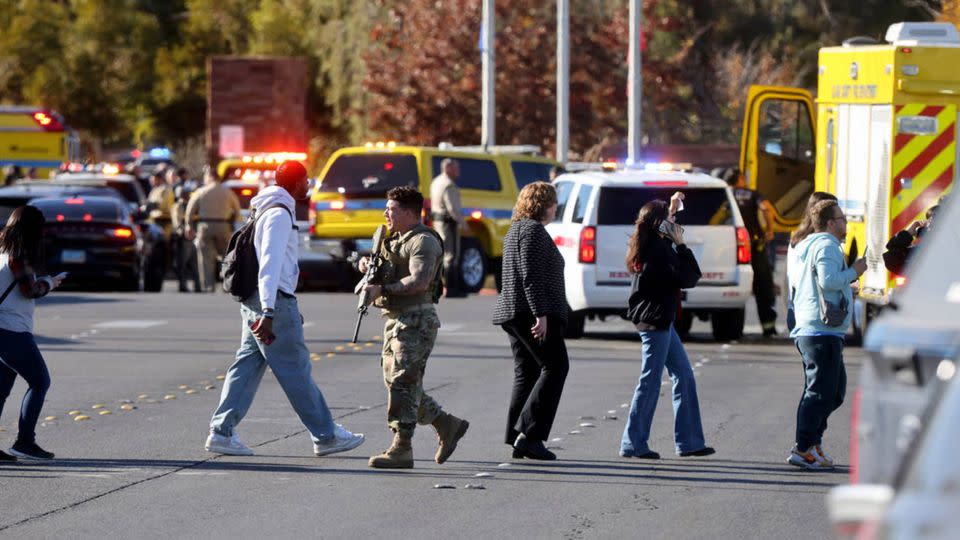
{"points": [[94, 239]]}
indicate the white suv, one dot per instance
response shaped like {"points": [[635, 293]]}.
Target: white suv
{"points": [[595, 219]]}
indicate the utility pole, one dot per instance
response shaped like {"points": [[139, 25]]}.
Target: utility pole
{"points": [[634, 84], [563, 80], [488, 99]]}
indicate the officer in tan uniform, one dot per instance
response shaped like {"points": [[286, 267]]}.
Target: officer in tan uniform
{"points": [[210, 215], [160, 204], [448, 221], [411, 285]]}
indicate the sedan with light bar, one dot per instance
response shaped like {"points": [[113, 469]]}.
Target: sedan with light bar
{"points": [[596, 212], [94, 239]]}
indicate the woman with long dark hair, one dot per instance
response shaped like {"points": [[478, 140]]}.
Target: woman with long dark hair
{"points": [[21, 253], [532, 310], [799, 234], [661, 265]]}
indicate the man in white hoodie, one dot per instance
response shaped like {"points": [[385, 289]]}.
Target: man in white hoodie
{"points": [[818, 269], [273, 330]]}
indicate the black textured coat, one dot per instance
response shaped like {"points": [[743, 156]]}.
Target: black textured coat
{"points": [[655, 292], [532, 276]]}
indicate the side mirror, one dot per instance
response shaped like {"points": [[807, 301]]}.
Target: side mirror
{"points": [[854, 507]]}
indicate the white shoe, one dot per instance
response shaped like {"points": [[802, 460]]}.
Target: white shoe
{"points": [[230, 446], [808, 459], [341, 441], [824, 456]]}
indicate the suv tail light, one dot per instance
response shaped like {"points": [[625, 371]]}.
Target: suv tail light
{"points": [[588, 245], [743, 246]]}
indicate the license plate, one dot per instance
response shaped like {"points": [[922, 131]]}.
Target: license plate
{"points": [[71, 256]]}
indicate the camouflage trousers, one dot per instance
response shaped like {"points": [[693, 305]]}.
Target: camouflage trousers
{"points": [[408, 339]]}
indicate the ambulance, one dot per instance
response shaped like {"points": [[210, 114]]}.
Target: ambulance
{"points": [[36, 138], [881, 135]]}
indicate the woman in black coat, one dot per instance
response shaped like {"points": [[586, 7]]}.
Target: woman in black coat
{"points": [[532, 310], [661, 265]]}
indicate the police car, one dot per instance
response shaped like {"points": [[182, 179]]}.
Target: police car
{"points": [[595, 218]]}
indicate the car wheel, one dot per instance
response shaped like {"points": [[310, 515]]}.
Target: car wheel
{"points": [[576, 321], [473, 266], [727, 324]]}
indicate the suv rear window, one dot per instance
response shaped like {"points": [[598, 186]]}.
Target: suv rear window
{"points": [[78, 209], [528, 172], [370, 175], [702, 206], [474, 173]]}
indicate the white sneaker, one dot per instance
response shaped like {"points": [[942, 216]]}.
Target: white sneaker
{"points": [[808, 459], [824, 456], [230, 446], [341, 441]]}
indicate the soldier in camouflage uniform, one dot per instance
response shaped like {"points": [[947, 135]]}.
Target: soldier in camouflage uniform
{"points": [[411, 285]]}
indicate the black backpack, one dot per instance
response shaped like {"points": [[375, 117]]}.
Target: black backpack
{"points": [[241, 269]]}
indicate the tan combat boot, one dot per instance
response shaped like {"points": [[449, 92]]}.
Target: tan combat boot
{"points": [[398, 456], [450, 430]]}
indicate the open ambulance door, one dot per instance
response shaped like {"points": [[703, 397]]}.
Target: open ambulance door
{"points": [[778, 150]]}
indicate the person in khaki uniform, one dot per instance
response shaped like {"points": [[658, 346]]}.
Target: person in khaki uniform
{"points": [[160, 204], [411, 285], [448, 221], [210, 216]]}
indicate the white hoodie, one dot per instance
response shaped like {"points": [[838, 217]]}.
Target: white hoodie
{"points": [[275, 241]]}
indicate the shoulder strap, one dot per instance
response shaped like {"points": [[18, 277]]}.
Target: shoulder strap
{"points": [[7, 292], [261, 211]]}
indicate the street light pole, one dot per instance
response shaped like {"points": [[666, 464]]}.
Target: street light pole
{"points": [[634, 84], [563, 79], [488, 99]]}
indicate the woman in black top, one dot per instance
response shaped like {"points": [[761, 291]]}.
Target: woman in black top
{"points": [[659, 271], [532, 309]]}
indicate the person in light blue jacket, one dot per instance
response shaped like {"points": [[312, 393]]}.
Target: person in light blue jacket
{"points": [[819, 269]]}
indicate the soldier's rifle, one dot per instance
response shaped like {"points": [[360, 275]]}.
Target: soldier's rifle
{"points": [[373, 268]]}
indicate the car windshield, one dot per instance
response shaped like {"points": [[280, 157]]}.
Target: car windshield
{"points": [[702, 206], [127, 189], [370, 175], [78, 209]]}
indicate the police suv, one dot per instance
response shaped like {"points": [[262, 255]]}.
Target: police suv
{"points": [[595, 218]]}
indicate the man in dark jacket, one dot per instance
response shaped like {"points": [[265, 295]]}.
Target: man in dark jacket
{"points": [[900, 247]]}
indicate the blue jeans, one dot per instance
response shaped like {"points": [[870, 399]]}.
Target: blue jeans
{"points": [[662, 348], [19, 355], [825, 384], [289, 359]]}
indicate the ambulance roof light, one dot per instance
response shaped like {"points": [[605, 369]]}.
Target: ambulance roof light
{"points": [[923, 33]]}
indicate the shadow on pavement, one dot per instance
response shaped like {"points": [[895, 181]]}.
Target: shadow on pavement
{"points": [[70, 299], [661, 472]]}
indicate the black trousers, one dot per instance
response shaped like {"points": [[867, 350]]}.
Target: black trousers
{"points": [[763, 287], [540, 370]]}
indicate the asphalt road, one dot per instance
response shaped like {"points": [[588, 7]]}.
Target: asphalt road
{"points": [[152, 362]]}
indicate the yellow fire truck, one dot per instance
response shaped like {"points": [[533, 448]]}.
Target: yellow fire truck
{"points": [[881, 136]]}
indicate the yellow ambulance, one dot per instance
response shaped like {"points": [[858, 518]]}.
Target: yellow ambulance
{"points": [[36, 138], [348, 203], [881, 136]]}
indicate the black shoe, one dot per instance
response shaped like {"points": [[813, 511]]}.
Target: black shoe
{"points": [[770, 333], [649, 455], [30, 451], [532, 449], [706, 451], [517, 454], [7, 458]]}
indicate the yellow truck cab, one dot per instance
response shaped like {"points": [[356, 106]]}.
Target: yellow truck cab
{"points": [[36, 138], [884, 141], [348, 203]]}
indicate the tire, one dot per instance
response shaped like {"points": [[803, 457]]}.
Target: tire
{"points": [[728, 324], [473, 266], [576, 321]]}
